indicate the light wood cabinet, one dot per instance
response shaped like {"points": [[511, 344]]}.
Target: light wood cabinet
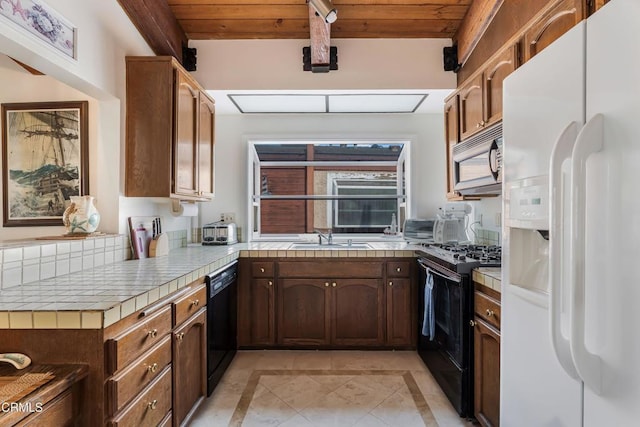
{"points": [[451, 138], [551, 24], [170, 132], [486, 325], [494, 72], [471, 107]]}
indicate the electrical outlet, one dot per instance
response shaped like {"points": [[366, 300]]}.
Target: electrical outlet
{"points": [[228, 217], [479, 220], [498, 219]]}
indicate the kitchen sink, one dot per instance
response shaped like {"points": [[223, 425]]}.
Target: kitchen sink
{"points": [[327, 246]]}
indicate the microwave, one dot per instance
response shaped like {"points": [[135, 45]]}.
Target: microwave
{"points": [[477, 163]]}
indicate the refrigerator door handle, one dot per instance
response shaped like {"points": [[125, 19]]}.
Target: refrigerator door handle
{"points": [[590, 141], [558, 245]]}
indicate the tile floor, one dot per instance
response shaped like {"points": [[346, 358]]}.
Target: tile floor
{"points": [[327, 388]]}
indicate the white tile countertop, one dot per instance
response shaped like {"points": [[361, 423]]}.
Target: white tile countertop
{"points": [[488, 276], [100, 296]]}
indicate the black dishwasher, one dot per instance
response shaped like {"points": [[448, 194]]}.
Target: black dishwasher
{"points": [[221, 322]]}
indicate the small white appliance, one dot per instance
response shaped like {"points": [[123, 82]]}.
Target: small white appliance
{"points": [[569, 344], [450, 224]]}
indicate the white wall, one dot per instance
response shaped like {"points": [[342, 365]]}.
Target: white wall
{"points": [[232, 131], [105, 36], [362, 64]]}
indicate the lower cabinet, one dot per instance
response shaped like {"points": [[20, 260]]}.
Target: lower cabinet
{"points": [[487, 355], [189, 366], [359, 303]]}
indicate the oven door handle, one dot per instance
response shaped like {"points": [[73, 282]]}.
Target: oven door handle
{"points": [[437, 270]]}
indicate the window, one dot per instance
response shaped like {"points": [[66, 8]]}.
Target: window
{"points": [[350, 187]]}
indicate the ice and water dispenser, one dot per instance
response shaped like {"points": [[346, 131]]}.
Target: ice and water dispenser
{"points": [[527, 220]]}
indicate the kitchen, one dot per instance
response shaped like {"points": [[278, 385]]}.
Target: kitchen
{"points": [[107, 110]]}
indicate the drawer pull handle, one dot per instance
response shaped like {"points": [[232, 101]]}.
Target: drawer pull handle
{"points": [[472, 323], [390, 283], [180, 336], [152, 333], [489, 313], [270, 283], [153, 404], [398, 269], [152, 368], [261, 269], [195, 303], [334, 284], [326, 284]]}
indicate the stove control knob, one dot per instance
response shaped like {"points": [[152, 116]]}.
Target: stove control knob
{"points": [[461, 257]]}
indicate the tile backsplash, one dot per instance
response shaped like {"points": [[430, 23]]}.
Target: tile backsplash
{"points": [[30, 261], [487, 237]]}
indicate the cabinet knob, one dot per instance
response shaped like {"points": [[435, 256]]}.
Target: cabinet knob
{"points": [[489, 312], [334, 284], [472, 323], [195, 303], [477, 125], [398, 269], [261, 269], [153, 404], [152, 333], [270, 283], [152, 368], [482, 123], [390, 283], [180, 336], [326, 284]]}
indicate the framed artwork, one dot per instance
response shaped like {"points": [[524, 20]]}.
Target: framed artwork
{"points": [[41, 20], [45, 160]]}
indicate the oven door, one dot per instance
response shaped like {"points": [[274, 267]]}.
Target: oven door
{"points": [[448, 353]]}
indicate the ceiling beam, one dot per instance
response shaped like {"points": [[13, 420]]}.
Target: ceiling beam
{"points": [[473, 26], [158, 26], [320, 41]]}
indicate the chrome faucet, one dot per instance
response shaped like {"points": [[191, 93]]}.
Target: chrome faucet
{"points": [[328, 237]]}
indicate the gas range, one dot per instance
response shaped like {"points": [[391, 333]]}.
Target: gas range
{"points": [[462, 258]]}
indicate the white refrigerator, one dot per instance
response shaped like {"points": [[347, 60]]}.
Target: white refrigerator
{"points": [[570, 352]]}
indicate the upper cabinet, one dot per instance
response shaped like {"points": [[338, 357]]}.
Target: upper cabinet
{"points": [[170, 132], [495, 71], [552, 24], [471, 108], [451, 137]]}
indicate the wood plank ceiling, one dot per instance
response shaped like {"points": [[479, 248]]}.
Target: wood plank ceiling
{"points": [[289, 19]]}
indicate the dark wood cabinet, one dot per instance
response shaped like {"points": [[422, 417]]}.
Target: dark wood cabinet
{"points": [[486, 326], [551, 24], [357, 312], [304, 315], [189, 367], [325, 302], [170, 125]]}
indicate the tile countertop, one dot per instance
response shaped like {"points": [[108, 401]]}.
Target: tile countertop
{"points": [[99, 297], [488, 276]]}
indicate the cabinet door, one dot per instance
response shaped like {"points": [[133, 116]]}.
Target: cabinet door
{"points": [[487, 373], [303, 312], [399, 330], [189, 366], [357, 315], [551, 25], [185, 136], [471, 113], [451, 137], [495, 72], [206, 141], [262, 312]]}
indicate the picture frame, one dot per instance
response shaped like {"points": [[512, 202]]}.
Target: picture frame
{"points": [[45, 160], [42, 21]]}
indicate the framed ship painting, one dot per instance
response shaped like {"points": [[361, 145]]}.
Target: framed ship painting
{"points": [[45, 158]]}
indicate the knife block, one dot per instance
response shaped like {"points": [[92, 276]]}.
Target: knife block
{"points": [[159, 246]]}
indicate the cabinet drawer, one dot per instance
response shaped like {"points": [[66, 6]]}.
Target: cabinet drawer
{"points": [[58, 412], [143, 370], [150, 407], [331, 269], [167, 421], [262, 269], [398, 268], [124, 348], [488, 309], [186, 306]]}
